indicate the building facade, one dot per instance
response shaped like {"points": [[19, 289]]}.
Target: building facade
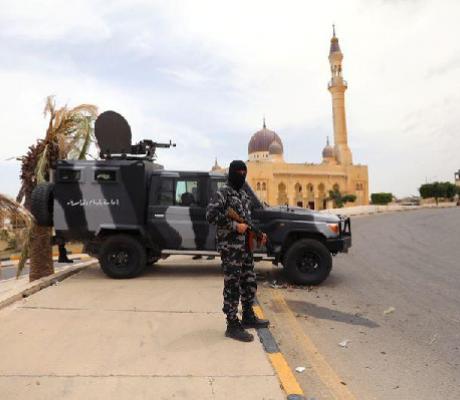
{"points": [[307, 185]]}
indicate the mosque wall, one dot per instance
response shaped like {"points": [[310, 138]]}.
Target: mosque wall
{"points": [[307, 185]]}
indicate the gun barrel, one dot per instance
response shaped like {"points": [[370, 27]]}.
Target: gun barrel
{"points": [[164, 145]]}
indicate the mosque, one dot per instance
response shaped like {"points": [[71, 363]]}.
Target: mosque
{"points": [[307, 185]]}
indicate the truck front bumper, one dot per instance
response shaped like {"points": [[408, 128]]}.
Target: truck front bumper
{"points": [[342, 243]]}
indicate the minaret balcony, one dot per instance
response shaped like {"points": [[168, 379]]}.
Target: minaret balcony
{"points": [[341, 82]]}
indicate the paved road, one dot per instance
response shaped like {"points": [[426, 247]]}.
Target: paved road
{"points": [[396, 299]]}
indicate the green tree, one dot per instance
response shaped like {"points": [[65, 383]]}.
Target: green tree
{"points": [[381, 198], [438, 190], [339, 199]]}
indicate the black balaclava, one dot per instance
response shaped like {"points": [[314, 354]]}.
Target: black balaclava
{"points": [[237, 174]]}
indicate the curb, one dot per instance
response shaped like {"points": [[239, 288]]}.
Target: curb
{"points": [[39, 284], [13, 260], [18, 257], [285, 375]]}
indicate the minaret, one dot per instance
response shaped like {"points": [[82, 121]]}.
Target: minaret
{"points": [[337, 87]]}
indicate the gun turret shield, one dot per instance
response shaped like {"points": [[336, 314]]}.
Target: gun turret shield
{"points": [[113, 133]]}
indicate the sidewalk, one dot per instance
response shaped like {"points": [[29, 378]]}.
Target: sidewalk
{"points": [[159, 336], [370, 209]]}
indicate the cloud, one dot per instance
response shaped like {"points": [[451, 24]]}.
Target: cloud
{"points": [[203, 73]]}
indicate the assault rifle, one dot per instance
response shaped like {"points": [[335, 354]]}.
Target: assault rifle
{"points": [[252, 234]]}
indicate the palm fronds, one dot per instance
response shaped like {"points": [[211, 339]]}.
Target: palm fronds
{"points": [[10, 209], [68, 136]]}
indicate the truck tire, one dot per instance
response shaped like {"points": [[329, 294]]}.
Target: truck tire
{"points": [[122, 256], [42, 204], [307, 262], [152, 260]]}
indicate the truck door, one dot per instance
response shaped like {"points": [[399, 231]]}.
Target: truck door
{"points": [[177, 213], [214, 183]]}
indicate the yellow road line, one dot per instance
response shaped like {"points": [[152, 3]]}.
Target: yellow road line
{"points": [[258, 311], [325, 372], [287, 378]]}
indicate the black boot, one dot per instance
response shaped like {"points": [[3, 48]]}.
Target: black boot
{"points": [[237, 332], [63, 255], [250, 320]]}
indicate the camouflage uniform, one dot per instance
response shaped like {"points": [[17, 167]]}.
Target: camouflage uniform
{"points": [[237, 262]]}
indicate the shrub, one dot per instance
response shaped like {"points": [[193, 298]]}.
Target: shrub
{"points": [[381, 198]]}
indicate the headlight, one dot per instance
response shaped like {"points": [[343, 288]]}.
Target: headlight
{"points": [[334, 228]]}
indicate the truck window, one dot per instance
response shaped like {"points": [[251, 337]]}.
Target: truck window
{"points": [[103, 175], [216, 184], [187, 193], [69, 175], [166, 197]]}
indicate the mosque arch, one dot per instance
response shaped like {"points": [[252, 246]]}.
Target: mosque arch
{"points": [[282, 195]]}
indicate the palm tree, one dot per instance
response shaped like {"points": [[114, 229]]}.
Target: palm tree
{"points": [[13, 211], [68, 136]]}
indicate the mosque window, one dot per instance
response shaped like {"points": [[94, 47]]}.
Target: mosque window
{"points": [[258, 185], [264, 186], [298, 187], [336, 187], [310, 188]]}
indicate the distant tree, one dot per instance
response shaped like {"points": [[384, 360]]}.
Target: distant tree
{"points": [[339, 199], [438, 190], [426, 191], [381, 198]]}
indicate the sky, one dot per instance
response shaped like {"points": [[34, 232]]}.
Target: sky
{"points": [[204, 73]]}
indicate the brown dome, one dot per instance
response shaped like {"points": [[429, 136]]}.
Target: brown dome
{"points": [[275, 148], [261, 140]]}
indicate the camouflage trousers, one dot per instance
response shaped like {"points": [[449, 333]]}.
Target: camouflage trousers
{"points": [[239, 280]]}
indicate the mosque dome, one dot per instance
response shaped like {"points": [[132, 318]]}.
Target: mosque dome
{"points": [[261, 140], [275, 148], [328, 151]]}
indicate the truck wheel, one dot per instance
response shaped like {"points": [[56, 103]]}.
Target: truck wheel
{"points": [[152, 260], [307, 262], [122, 256], [42, 204]]}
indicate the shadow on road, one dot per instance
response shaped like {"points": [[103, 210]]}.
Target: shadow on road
{"points": [[319, 312]]}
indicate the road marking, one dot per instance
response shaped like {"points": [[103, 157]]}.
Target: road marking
{"points": [[285, 375], [258, 311], [324, 371], [288, 381]]}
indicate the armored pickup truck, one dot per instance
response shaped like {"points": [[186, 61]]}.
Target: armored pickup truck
{"points": [[129, 212]]}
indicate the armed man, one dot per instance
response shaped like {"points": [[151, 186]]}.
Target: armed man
{"points": [[235, 251]]}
